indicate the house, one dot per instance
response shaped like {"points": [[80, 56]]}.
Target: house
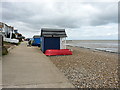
{"points": [[10, 32], [15, 31], [36, 40], [18, 35], [1, 29], [53, 39], [7, 33], [6, 30]]}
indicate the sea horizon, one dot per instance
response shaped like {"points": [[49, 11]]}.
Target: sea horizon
{"points": [[100, 45]]}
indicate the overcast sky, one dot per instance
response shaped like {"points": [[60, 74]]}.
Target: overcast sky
{"points": [[82, 20]]}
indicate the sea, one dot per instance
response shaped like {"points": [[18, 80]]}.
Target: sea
{"points": [[99, 45]]}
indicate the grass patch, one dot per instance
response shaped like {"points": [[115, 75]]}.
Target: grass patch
{"points": [[4, 42], [19, 43], [7, 45], [4, 50]]}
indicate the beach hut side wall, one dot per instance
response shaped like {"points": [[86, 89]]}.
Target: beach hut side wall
{"points": [[42, 44], [62, 43]]}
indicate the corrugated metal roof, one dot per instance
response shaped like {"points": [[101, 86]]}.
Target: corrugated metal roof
{"points": [[49, 32]]}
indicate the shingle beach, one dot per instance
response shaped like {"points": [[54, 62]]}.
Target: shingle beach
{"points": [[89, 69]]}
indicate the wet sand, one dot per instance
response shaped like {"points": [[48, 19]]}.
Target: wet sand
{"points": [[89, 69]]}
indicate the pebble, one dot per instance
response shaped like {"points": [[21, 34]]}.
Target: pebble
{"points": [[88, 70]]}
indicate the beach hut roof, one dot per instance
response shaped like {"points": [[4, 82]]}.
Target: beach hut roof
{"points": [[36, 36], [49, 32]]}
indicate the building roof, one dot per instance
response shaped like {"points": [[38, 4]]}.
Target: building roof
{"points": [[49, 32], [15, 31], [36, 36]]}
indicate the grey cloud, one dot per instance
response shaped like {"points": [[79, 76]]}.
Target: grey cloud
{"points": [[14, 12], [26, 12], [59, 14], [108, 14]]}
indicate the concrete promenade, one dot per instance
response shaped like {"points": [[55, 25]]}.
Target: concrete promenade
{"points": [[28, 67]]}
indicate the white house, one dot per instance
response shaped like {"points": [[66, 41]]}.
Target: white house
{"points": [[7, 32], [10, 31]]}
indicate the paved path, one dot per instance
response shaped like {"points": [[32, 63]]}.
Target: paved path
{"points": [[28, 67]]}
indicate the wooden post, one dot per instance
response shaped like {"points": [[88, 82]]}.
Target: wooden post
{"points": [[1, 44], [1, 40]]}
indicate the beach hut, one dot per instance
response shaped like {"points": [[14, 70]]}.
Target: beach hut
{"points": [[36, 40], [53, 39]]}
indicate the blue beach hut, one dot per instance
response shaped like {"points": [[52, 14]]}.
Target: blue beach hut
{"points": [[36, 40], [53, 39]]}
